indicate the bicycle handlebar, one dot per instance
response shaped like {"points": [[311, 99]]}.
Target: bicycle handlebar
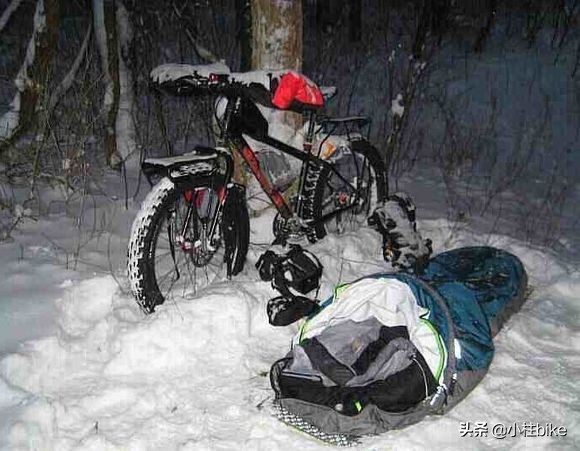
{"points": [[214, 84]]}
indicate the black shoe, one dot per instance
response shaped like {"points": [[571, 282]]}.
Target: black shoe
{"points": [[283, 311]]}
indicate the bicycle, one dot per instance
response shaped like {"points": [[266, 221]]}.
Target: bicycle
{"points": [[195, 218]]}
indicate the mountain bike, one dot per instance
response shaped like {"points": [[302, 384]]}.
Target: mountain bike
{"points": [[195, 219]]}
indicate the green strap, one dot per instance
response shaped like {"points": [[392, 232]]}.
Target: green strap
{"points": [[339, 289], [302, 330], [440, 347]]}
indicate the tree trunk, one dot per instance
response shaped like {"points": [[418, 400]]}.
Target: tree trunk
{"points": [[485, 30], [355, 20], [125, 124], [105, 25], [244, 26], [277, 34], [277, 44], [34, 73]]}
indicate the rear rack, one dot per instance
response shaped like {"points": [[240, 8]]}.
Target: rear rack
{"points": [[353, 127]]}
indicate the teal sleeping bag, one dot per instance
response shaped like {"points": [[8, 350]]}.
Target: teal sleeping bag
{"points": [[464, 296]]}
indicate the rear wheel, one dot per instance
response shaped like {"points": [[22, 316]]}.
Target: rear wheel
{"points": [[363, 169], [172, 251]]}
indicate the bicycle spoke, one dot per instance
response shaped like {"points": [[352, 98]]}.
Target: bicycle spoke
{"points": [[197, 265], [357, 196]]}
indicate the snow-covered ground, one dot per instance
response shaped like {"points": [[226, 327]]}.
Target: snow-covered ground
{"points": [[82, 368]]}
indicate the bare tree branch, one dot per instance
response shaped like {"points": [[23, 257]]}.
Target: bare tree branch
{"points": [[33, 74], [106, 36], [201, 51], [67, 81], [13, 6]]}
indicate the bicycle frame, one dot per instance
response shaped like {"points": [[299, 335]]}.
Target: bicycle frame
{"points": [[233, 135]]}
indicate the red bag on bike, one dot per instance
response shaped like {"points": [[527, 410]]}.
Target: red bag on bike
{"points": [[296, 87]]}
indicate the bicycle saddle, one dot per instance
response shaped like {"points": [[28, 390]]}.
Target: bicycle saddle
{"points": [[282, 89]]}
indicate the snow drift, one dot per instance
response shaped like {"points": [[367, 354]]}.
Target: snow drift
{"points": [[193, 375]]}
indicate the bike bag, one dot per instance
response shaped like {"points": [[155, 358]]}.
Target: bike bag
{"points": [[389, 349], [297, 270]]}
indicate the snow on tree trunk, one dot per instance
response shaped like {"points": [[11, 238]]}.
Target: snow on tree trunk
{"points": [[5, 17], [104, 19], [277, 44], [125, 125], [277, 34], [32, 78]]}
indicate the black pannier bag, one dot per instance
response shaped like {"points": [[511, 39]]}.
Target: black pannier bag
{"points": [[352, 365]]}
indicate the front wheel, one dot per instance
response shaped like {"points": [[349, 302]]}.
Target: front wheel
{"points": [[346, 194], [181, 238]]}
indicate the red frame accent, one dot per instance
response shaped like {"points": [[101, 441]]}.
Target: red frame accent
{"points": [[275, 196], [222, 194], [196, 196], [188, 195]]}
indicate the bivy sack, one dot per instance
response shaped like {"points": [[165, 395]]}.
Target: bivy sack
{"points": [[388, 349]]}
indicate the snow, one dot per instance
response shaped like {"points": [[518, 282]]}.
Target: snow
{"points": [[9, 120], [82, 368], [397, 107], [172, 72], [262, 77]]}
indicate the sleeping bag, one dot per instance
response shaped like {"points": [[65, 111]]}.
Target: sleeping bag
{"points": [[389, 349]]}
